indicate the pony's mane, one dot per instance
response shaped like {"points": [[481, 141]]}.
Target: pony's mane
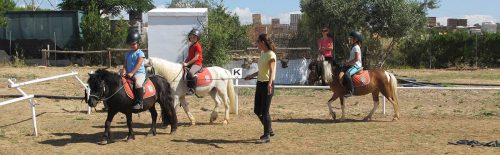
{"points": [[110, 77], [165, 68]]}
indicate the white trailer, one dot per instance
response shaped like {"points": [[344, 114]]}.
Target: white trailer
{"points": [[168, 29]]}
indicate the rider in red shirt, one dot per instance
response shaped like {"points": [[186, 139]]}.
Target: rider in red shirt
{"points": [[194, 59]]}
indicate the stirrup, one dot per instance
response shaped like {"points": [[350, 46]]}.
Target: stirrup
{"points": [[137, 106], [348, 95], [190, 91]]}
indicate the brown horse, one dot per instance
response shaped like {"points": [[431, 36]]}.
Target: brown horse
{"points": [[380, 82]]}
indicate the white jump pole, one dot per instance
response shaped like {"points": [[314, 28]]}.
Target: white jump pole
{"points": [[87, 91], [32, 105], [13, 85], [30, 97], [16, 100], [237, 101]]}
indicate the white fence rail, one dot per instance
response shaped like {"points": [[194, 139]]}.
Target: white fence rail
{"points": [[29, 97], [383, 98]]}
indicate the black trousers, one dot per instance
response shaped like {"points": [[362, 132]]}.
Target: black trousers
{"points": [[262, 103]]}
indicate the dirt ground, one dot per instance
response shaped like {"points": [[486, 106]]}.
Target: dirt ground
{"points": [[429, 120]]}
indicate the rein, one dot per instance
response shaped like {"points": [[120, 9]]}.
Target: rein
{"points": [[106, 98]]}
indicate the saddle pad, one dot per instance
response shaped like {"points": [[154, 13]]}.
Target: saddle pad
{"points": [[361, 79], [149, 88], [204, 78]]}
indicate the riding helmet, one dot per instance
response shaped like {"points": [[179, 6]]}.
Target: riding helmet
{"points": [[195, 32], [133, 36], [357, 35]]}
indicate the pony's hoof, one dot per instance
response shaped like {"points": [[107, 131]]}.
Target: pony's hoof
{"points": [[193, 123], [395, 119], [225, 122], [334, 116], [130, 138], [366, 119], [173, 132], [103, 142], [151, 133]]}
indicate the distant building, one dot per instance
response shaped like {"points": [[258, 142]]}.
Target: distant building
{"points": [[489, 27], [275, 22], [294, 21], [256, 19], [453, 23], [431, 22]]}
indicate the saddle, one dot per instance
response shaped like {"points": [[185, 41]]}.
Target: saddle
{"points": [[360, 79], [149, 88], [203, 77]]}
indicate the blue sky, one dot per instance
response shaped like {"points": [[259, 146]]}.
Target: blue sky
{"points": [[476, 11]]}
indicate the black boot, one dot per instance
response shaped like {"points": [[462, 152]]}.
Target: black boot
{"points": [[139, 94], [192, 85], [349, 87], [271, 133]]}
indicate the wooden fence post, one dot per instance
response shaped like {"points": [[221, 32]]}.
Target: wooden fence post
{"points": [[109, 57]]}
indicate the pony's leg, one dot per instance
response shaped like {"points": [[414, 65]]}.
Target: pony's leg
{"points": [[395, 105], [330, 108], [154, 116], [226, 107], [217, 101], [106, 138], [375, 106], [184, 105], [129, 125], [342, 105], [391, 97]]}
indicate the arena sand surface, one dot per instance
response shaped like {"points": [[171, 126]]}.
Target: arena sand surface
{"points": [[429, 120]]}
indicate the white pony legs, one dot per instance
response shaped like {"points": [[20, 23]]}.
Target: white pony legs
{"points": [[184, 105]]}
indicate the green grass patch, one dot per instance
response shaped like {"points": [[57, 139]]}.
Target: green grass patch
{"points": [[81, 118], [498, 105], [487, 113], [9, 76], [2, 133], [279, 92]]}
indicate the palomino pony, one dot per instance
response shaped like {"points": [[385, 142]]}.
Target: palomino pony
{"points": [[316, 75], [218, 84], [109, 87], [378, 81]]}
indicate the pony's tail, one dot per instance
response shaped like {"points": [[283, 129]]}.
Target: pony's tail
{"points": [[167, 106], [233, 103], [394, 86]]}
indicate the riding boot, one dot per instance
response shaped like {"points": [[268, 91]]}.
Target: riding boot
{"points": [[349, 87], [139, 94], [192, 85], [271, 133]]}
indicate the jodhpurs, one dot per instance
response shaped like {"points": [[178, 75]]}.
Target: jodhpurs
{"points": [[262, 103]]}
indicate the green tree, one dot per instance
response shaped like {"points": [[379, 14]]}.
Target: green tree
{"points": [[134, 8], [111, 7], [384, 22], [5, 5], [98, 34]]}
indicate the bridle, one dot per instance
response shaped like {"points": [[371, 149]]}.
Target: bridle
{"points": [[102, 94]]}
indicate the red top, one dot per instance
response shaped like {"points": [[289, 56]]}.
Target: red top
{"points": [[196, 48], [326, 43]]}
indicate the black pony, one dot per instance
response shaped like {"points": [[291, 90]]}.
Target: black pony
{"points": [[108, 86]]}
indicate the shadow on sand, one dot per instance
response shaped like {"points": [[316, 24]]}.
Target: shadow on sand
{"points": [[214, 142], [320, 121]]}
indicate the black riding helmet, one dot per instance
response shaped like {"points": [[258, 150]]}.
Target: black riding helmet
{"points": [[195, 32], [133, 37], [356, 35]]}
